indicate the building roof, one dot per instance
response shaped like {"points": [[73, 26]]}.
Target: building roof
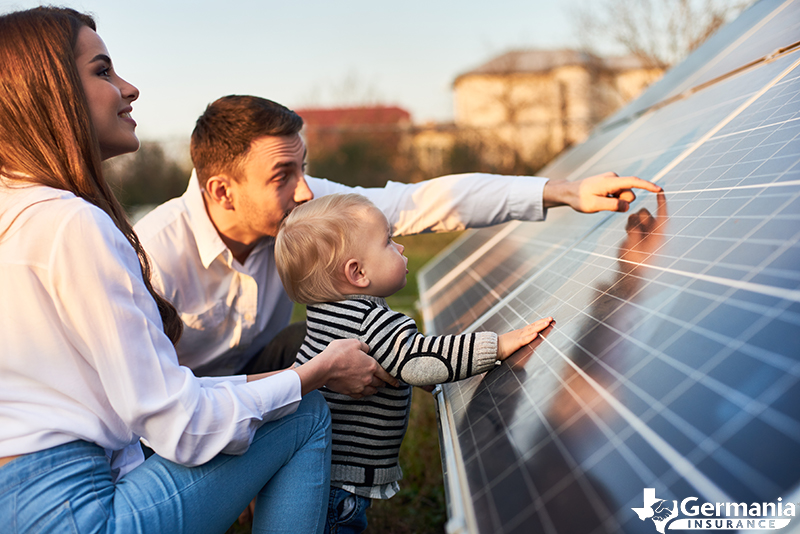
{"points": [[521, 61], [365, 115]]}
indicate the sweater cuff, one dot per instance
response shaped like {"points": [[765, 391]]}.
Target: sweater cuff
{"points": [[485, 353]]}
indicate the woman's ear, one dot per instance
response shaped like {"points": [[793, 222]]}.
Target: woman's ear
{"points": [[355, 275], [218, 190]]}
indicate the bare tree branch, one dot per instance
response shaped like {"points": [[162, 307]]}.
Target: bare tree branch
{"points": [[659, 32]]}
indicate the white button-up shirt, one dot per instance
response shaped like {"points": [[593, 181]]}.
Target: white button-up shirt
{"points": [[231, 311], [82, 350]]}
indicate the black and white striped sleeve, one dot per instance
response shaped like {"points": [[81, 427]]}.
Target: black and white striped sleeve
{"points": [[419, 360]]}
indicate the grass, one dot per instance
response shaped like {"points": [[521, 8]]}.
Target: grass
{"points": [[419, 507]]}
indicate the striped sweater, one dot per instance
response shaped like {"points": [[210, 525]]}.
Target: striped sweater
{"points": [[367, 432]]}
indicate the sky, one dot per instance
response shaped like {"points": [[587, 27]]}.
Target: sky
{"points": [[182, 55]]}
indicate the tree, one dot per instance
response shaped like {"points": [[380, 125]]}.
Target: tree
{"points": [[358, 160], [659, 32], [146, 177]]}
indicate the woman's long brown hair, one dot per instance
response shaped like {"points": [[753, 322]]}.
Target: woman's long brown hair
{"points": [[46, 133]]}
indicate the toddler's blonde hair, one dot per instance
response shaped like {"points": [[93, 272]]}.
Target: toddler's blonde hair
{"points": [[315, 241]]}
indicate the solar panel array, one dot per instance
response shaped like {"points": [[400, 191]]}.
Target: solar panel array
{"points": [[675, 360]]}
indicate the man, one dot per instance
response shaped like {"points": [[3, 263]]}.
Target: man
{"points": [[212, 248]]}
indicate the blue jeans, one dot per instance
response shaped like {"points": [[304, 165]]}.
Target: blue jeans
{"points": [[69, 488], [347, 513]]}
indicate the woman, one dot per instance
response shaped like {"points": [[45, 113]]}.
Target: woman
{"points": [[87, 364]]}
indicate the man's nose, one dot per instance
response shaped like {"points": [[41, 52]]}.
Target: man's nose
{"points": [[302, 193]]}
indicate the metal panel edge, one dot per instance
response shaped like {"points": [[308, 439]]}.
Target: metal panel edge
{"points": [[460, 513]]}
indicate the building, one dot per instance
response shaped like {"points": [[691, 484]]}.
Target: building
{"points": [[330, 127], [357, 145], [525, 106], [513, 114]]}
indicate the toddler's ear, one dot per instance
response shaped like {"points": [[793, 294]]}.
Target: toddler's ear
{"points": [[355, 275]]}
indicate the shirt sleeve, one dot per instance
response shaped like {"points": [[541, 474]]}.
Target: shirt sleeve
{"points": [[419, 360], [113, 322], [211, 381], [452, 202]]}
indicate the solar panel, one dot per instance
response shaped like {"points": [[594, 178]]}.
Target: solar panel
{"points": [[675, 360]]}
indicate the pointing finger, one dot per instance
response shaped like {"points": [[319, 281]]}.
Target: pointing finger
{"points": [[628, 182]]}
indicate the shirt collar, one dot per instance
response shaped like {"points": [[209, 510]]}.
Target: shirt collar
{"points": [[209, 243], [377, 300]]}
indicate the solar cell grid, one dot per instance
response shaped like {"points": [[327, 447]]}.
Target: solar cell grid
{"points": [[509, 257], [675, 129], [581, 156], [675, 360], [466, 245]]}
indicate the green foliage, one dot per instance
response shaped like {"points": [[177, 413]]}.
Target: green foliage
{"points": [[147, 177], [358, 161], [469, 156], [464, 157]]}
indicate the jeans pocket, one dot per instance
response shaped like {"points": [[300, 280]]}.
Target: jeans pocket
{"points": [[352, 515], [347, 508]]}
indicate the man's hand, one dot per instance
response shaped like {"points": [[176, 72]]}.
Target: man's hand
{"points": [[604, 192], [344, 367]]}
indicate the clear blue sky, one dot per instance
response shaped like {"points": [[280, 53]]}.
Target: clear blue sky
{"points": [[184, 54]]}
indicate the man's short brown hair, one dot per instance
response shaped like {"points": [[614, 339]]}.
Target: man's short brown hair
{"points": [[224, 132]]}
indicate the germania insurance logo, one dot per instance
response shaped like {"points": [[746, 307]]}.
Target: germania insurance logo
{"points": [[691, 514]]}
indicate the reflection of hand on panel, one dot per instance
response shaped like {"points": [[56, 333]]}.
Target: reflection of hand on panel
{"points": [[645, 234], [610, 315]]}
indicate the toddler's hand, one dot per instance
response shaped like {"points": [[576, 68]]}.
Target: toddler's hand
{"points": [[511, 342]]}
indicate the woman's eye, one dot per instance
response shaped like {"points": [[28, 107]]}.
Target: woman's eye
{"points": [[105, 72]]}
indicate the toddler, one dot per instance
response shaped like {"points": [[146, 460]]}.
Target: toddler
{"points": [[336, 255]]}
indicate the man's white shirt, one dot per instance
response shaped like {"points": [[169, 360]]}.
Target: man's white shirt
{"points": [[231, 311]]}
